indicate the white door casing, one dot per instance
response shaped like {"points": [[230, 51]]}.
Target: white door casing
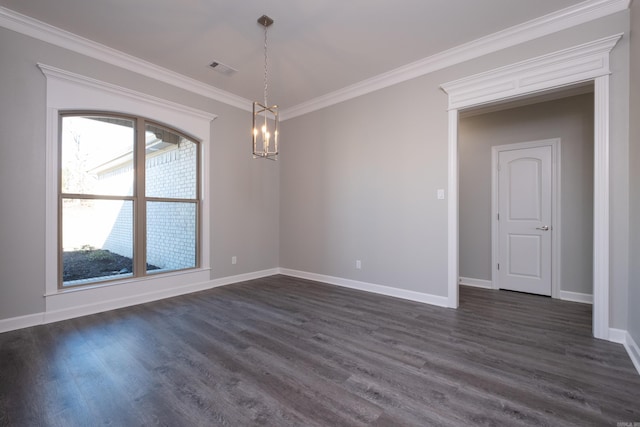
{"points": [[524, 220], [563, 68]]}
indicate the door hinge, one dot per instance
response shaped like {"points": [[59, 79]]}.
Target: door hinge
{"points": [[498, 216], [498, 266]]}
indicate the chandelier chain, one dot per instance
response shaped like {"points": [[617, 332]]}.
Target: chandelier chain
{"points": [[265, 67]]}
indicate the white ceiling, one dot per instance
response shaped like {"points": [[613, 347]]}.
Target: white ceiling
{"points": [[315, 47]]}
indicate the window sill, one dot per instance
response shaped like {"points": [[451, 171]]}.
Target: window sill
{"points": [[80, 301], [127, 281]]}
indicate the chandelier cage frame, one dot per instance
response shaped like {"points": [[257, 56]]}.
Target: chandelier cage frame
{"points": [[265, 117]]}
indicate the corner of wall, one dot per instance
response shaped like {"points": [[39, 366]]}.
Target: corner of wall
{"points": [[633, 300]]}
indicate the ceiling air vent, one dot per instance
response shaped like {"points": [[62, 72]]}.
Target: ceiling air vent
{"points": [[223, 68]]}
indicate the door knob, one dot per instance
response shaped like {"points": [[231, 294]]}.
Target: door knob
{"points": [[543, 228]]}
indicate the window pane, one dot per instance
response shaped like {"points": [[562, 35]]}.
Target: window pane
{"points": [[171, 164], [97, 240], [97, 155], [171, 235]]}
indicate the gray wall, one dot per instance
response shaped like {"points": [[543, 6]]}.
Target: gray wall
{"points": [[243, 191], [359, 179], [634, 178], [571, 120]]}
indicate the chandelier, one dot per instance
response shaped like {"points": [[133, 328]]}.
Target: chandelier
{"points": [[265, 117]]}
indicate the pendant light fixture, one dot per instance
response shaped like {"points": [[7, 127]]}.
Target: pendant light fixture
{"points": [[265, 117]]}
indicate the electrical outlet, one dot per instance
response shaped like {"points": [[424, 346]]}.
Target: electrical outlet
{"points": [[441, 194], [358, 264], [234, 260]]}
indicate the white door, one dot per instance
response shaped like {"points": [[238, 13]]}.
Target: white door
{"points": [[524, 220]]}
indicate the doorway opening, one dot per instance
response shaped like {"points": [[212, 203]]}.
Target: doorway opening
{"points": [[553, 260], [588, 62]]}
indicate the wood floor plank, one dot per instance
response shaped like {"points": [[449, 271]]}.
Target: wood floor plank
{"points": [[282, 351]]}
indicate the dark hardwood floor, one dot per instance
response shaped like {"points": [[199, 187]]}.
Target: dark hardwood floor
{"points": [[281, 351]]}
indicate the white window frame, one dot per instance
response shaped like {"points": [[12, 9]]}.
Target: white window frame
{"points": [[70, 91]]}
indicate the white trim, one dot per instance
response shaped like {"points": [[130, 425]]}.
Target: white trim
{"points": [[83, 81], [70, 91], [48, 33], [559, 20], [632, 348], [20, 322], [623, 337], [93, 307], [229, 280], [553, 72], [617, 335], [563, 295], [68, 305], [53, 73], [601, 209], [552, 95], [556, 188], [475, 283], [180, 277], [452, 212], [369, 287], [576, 297], [565, 67], [85, 306], [51, 202], [556, 21]]}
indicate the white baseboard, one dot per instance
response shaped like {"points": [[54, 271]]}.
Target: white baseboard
{"points": [[564, 295], [576, 297], [51, 316], [55, 315], [617, 335], [633, 350], [229, 280], [20, 322], [370, 287], [476, 283], [116, 303], [623, 337]]}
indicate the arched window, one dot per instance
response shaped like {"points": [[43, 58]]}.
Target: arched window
{"points": [[129, 198]]}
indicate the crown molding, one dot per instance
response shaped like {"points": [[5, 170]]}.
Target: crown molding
{"points": [[566, 18], [42, 31], [556, 21]]}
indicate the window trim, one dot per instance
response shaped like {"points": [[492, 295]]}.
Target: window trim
{"points": [[139, 200], [67, 91]]}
